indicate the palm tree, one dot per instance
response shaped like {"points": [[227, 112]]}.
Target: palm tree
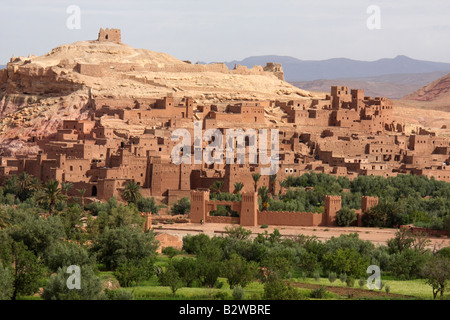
{"points": [[66, 186], [282, 186], [238, 187], [51, 194], [132, 192], [82, 191], [256, 177], [26, 186], [263, 192], [273, 181], [216, 187]]}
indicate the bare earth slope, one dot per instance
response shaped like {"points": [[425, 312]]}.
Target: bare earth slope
{"points": [[428, 106], [438, 90]]}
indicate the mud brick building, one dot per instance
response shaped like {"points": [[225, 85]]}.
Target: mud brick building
{"points": [[345, 134]]}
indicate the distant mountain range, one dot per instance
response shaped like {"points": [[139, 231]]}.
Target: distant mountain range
{"points": [[2, 67], [393, 86], [390, 77], [307, 70]]}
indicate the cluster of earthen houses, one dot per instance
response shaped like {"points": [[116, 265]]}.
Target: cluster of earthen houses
{"points": [[346, 134]]}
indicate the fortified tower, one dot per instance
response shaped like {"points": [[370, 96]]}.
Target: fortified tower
{"points": [[198, 206], [249, 209], [332, 206], [368, 202], [109, 35]]}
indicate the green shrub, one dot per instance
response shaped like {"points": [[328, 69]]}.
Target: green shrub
{"points": [[346, 217], [350, 282], [187, 269], [316, 276], [134, 271], [446, 223], [119, 295], [148, 205], [170, 278], [170, 252], [362, 282], [343, 277], [37, 234], [276, 289], [221, 295], [6, 283], [181, 207], [238, 271], [64, 254], [332, 277], [25, 268], [120, 245], [319, 293], [90, 289], [238, 293], [264, 226], [408, 263], [218, 284], [346, 260]]}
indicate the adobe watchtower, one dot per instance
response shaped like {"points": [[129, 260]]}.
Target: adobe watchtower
{"points": [[198, 206], [110, 35], [249, 209], [368, 202], [332, 206]]}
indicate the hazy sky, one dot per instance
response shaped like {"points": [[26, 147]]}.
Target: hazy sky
{"points": [[210, 30]]}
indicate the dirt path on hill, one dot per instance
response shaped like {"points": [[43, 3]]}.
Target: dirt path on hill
{"points": [[351, 293]]}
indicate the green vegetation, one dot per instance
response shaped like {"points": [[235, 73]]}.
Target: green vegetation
{"points": [[181, 207], [39, 240], [132, 192], [148, 205], [405, 199], [346, 217]]}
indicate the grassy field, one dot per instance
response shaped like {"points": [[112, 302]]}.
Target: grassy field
{"points": [[151, 290], [415, 289]]}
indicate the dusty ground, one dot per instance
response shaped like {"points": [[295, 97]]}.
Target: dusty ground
{"points": [[430, 115], [375, 235]]}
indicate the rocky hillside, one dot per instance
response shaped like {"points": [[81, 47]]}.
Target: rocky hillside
{"points": [[37, 93], [438, 90]]}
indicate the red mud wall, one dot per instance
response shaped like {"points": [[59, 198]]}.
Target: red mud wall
{"points": [[276, 218]]}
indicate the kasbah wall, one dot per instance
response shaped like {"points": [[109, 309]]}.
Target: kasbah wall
{"points": [[250, 216]]}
